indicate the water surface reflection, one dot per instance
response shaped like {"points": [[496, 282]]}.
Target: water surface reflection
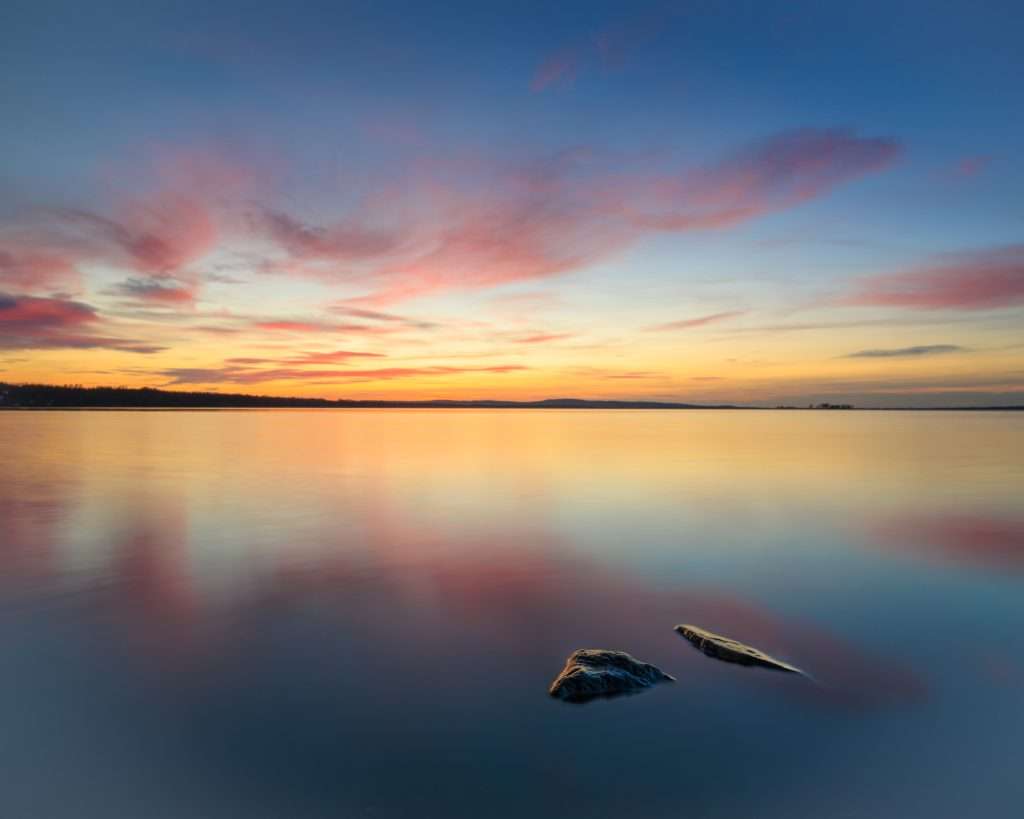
{"points": [[358, 614]]}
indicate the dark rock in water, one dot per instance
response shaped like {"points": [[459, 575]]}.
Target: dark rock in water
{"points": [[595, 672], [731, 651]]}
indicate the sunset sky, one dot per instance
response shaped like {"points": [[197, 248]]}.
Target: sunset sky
{"points": [[750, 202]]}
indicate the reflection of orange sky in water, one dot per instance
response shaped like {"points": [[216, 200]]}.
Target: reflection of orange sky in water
{"points": [[262, 457], [439, 520]]}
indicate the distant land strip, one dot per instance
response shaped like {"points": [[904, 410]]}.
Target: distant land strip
{"points": [[45, 396]]}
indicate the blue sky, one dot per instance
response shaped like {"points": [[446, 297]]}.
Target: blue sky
{"points": [[532, 188]]}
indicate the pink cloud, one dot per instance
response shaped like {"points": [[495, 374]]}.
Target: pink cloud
{"points": [[332, 357], [157, 236], [636, 374], [971, 166], [461, 225], [29, 322], [559, 69], [699, 321], [553, 219], [29, 268], [541, 338], [289, 326], [982, 280], [341, 242], [293, 326], [237, 374], [30, 312], [345, 309], [371, 315], [167, 232], [778, 173], [156, 242], [611, 46], [154, 235], [157, 291], [541, 224]]}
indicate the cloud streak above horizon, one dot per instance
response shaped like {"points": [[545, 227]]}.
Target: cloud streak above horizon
{"points": [[699, 321], [988, 279], [908, 352], [245, 374]]}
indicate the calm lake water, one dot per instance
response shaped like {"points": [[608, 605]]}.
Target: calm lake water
{"points": [[357, 614]]}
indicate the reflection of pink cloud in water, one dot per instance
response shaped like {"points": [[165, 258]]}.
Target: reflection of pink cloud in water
{"points": [[27, 546], [526, 594], [1000, 669], [845, 675], [509, 602], [152, 594], [987, 541]]}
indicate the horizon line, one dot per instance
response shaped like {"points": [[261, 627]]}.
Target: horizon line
{"points": [[254, 401]]}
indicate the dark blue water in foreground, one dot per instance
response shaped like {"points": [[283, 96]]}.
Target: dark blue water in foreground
{"points": [[357, 614]]}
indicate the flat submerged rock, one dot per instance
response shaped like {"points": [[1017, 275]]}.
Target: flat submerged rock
{"points": [[594, 672], [731, 651]]}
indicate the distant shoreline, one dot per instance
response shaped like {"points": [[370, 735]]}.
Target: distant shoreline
{"points": [[46, 397], [583, 406]]}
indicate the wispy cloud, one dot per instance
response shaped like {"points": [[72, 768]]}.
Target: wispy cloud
{"points": [[634, 375], [27, 265], [241, 374], [331, 357], [609, 47], [156, 291], [883, 322], [296, 326], [980, 280], [154, 235], [563, 214], [908, 352], [777, 173], [971, 166], [699, 321], [454, 225], [378, 316], [345, 241], [29, 322], [542, 338], [533, 222], [159, 236], [558, 69]]}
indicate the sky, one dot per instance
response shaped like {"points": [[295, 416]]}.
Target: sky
{"points": [[749, 202]]}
